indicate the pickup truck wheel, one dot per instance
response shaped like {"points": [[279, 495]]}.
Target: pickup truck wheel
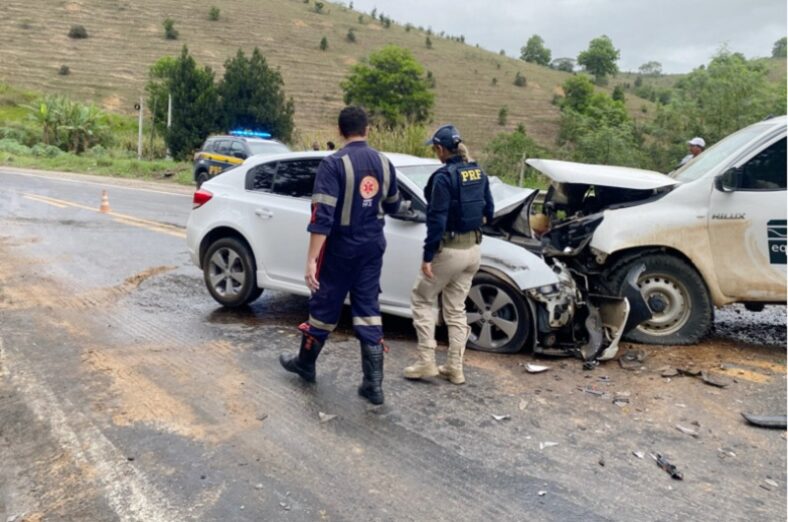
{"points": [[497, 314], [677, 296], [230, 273]]}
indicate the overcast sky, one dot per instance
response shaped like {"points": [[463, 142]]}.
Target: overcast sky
{"points": [[679, 34]]}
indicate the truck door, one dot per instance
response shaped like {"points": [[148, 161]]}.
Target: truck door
{"points": [[747, 226]]}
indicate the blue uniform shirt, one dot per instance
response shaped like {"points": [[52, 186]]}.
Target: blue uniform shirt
{"points": [[438, 193], [348, 205]]}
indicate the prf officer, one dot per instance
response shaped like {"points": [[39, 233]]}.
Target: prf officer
{"points": [[458, 203]]}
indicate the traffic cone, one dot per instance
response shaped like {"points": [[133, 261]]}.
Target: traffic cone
{"points": [[104, 208]]}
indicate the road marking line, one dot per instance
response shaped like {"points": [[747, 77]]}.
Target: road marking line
{"points": [[39, 200], [128, 491], [120, 218], [113, 185]]}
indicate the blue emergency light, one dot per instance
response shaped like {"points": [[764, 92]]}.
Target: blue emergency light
{"points": [[250, 133]]}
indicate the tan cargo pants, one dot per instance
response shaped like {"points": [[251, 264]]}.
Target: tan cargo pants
{"points": [[453, 270]]}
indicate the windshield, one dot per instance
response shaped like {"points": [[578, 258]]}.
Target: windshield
{"points": [[266, 147], [419, 174], [709, 159]]}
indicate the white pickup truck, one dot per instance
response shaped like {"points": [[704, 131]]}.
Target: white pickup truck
{"points": [[710, 234]]}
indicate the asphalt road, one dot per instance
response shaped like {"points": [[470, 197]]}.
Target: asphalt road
{"points": [[126, 393]]}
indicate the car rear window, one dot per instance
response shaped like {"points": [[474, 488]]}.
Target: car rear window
{"points": [[261, 177], [296, 178]]}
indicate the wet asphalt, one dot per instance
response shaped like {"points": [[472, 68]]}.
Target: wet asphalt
{"points": [[126, 393]]}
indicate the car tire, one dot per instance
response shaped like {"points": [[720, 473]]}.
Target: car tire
{"points": [[498, 315], [202, 177], [229, 272], [677, 296]]}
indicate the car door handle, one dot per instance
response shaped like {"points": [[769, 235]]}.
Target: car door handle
{"points": [[263, 213]]}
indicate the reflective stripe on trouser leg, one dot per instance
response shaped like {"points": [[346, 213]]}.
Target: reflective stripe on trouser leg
{"points": [[325, 305], [364, 296]]}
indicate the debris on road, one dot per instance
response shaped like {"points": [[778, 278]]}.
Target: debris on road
{"points": [[632, 359], [669, 372], [715, 380], [766, 421], [639, 454], [542, 493], [262, 417], [523, 404], [726, 453], [543, 445], [284, 506], [689, 372], [500, 418], [326, 417], [771, 483], [621, 399], [591, 391], [669, 468], [536, 368], [687, 431], [602, 461]]}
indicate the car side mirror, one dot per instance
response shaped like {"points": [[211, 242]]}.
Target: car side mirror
{"points": [[729, 180], [240, 155]]}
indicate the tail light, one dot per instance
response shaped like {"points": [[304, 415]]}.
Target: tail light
{"points": [[201, 197]]}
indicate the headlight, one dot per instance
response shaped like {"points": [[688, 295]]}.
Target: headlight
{"points": [[547, 289]]}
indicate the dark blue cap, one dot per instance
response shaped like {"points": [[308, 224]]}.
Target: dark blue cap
{"points": [[448, 136]]}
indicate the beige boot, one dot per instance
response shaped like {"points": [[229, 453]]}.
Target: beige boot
{"points": [[425, 366], [452, 370]]}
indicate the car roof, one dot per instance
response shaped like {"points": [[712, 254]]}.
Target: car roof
{"points": [[242, 138], [397, 159]]}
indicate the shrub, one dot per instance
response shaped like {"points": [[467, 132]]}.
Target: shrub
{"points": [[77, 32], [14, 147], [324, 44], [618, 93], [213, 14], [319, 7], [494, 82], [170, 33], [428, 43], [361, 19], [431, 83], [519, 80], [64, 70], [503, 116], [46, 151], [408, 28], [26, 24], [406, 140], [351, 36], [24, 135]]}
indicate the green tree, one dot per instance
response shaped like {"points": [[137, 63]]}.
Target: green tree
{"points": [[503, 116], [779, 49], [170, 33], [651, 68], [563, 64], [324, 44], [194, 105], [534, 51], [600, 58], [252, 96], [519, 80], [351, 36], [577, 93], [503, 155], [392, 85], [213, 14], [428, 43], [618, 93]]}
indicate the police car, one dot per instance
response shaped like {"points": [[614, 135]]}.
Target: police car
{"points": [[220, 153]]}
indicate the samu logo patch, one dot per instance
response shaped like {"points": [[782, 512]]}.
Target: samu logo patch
{"points": [[369, 187]]}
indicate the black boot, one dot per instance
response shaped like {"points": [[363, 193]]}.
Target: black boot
{"points": [[304, 363], [372, 365]]}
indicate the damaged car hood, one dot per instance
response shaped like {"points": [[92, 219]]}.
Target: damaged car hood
{"points": [[507, 197], [601, 175]]}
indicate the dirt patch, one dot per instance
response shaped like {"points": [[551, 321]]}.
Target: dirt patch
{"points": [[73, 7], [299, 24], [112, 103]]}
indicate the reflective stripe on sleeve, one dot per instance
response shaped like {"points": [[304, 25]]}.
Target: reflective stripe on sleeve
{"points": [[373, 320], [325, 199], [321, 325], [350, 183]]}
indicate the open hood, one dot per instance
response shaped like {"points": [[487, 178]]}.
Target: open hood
{"points": [[507, 197], [601, 175]]}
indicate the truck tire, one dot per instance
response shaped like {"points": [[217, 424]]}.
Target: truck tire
{"points": [[677, 296], [498, 315]]}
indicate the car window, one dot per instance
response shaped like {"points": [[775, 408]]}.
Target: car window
{"points": [[237, 146], [296, 178], [712, 157], [419, 174], [222, 146], [261, 177], [767, 170], [209, 146], [267, 147]]}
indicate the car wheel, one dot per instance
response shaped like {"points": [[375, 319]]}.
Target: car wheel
{"points": [[681, 308], [202, 177], [497, 314], [229, 273]]}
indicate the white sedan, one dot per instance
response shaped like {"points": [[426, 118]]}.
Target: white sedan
{"points": [[247, 232]]}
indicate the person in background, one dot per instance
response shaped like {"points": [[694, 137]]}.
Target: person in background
{"points": [[315, 145], [696, 146], [354, 188], [459, 202], [330, 145]]}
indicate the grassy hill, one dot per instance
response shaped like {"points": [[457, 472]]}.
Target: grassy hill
{"points": [[126, 37]]}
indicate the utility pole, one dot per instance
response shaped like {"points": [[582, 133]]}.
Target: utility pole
{"points": [[139, 130], [169, 120]]}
